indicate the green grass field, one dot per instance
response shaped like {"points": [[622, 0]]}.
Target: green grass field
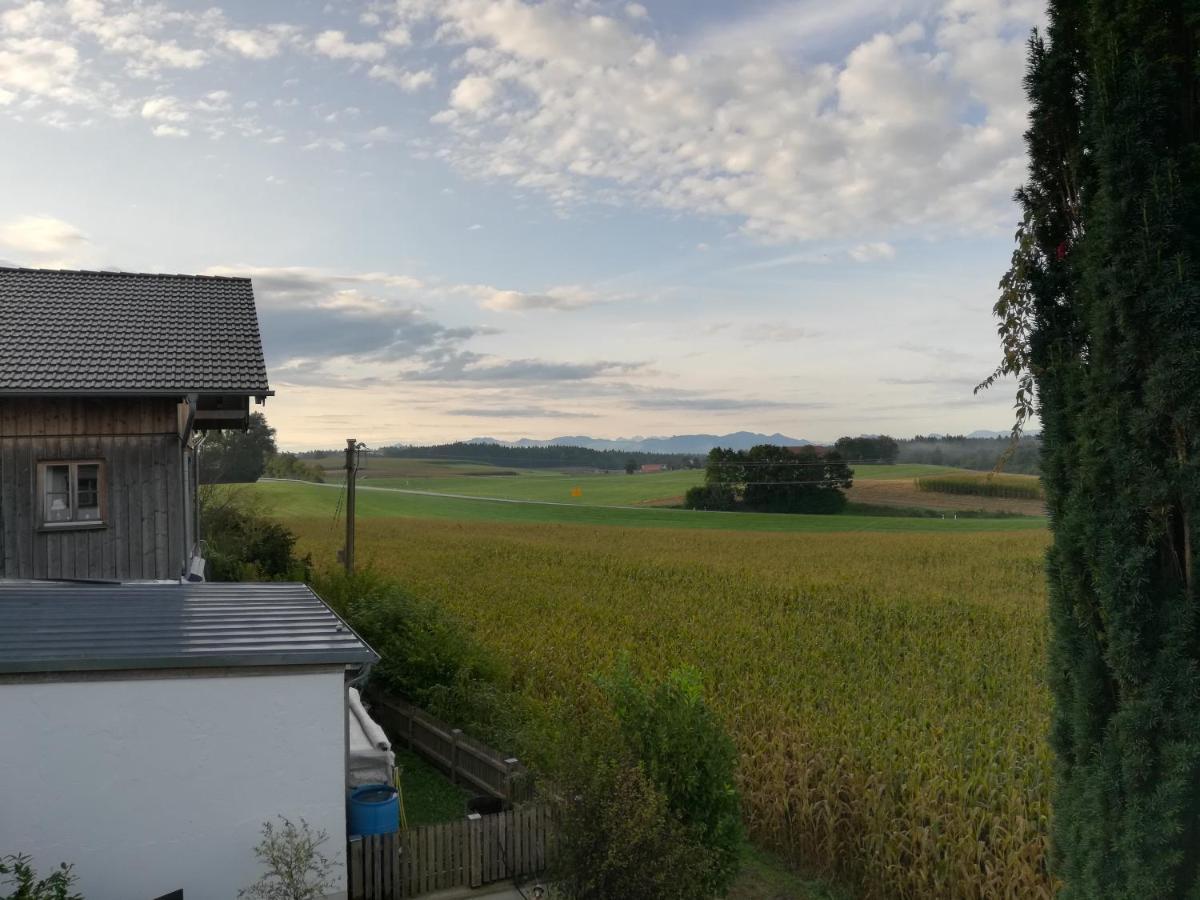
{"points": [[295, 500], [576, 488]]}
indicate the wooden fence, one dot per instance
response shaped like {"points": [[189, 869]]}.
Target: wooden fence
{"points": [[470, 852], [465, 760]]}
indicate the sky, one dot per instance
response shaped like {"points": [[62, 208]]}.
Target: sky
{"points": [[511, 218]]}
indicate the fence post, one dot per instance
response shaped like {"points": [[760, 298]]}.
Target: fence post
{"points": [[510, 766], [475, 850], [455, 734]]}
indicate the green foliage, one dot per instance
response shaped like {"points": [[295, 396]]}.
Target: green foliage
{"points": [[289, 465], [618, 840], [877, 449], [428, 655], [237, 456], [686, 753], [1019, 487], [769, 478], [1102, 309], [23, 883], [711, 496], [245, 544], [296, 867], [631, 466]]}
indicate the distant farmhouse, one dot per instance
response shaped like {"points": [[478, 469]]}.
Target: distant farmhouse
{"points": [[151, 723]]}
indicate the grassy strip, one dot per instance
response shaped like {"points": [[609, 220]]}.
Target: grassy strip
{"points": [[317, 501]]}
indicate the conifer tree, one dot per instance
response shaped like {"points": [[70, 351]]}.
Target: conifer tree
{"points": [[1100, 320]]}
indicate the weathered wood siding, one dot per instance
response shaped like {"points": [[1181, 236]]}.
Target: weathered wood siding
{"points": [[144, 534]]}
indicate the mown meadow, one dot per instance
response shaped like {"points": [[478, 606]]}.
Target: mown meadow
{"points": [[885, 690]]}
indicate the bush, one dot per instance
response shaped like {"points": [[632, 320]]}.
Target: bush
{"points": [[289, 465], [780, 498], [244, 544], [427, 655], [618, 840], [296, 867], [686, 753], [23, 877], [719, 497]]}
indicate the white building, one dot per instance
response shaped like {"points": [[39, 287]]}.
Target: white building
{"points": [[147, 731]]}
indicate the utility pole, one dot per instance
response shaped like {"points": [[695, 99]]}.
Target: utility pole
{"points": [[351, 474]]}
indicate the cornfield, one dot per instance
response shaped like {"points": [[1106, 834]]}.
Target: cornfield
{"points": [[886, 691], [1016, 487]]}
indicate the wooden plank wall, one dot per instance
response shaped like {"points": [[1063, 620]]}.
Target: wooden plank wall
{"points": [[470, 852], [138, 439]]}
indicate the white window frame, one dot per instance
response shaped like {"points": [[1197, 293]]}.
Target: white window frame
{"points": [[73, 523]]}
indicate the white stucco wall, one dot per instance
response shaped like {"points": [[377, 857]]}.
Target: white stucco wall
{"points": [[151, 785]]}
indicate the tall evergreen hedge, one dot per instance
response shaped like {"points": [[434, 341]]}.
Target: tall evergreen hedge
{"points": [[1100, 315]]}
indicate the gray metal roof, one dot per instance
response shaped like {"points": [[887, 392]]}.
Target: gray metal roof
{"points": [[68, 627], [68, 332]]}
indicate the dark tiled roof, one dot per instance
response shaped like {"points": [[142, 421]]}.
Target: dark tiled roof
{"points": [[66, 332], [70, 627]]}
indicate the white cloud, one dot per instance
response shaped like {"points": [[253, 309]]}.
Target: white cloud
{"points": [[169, 131], [42, 67], [42, 240], [906, 132], [164, 109], [409, 82], [871, 252], [40, 234], [566, 297], [636, 11], [23, 18], [398, 36], [334, 45], [472, 93], [257, 43]]}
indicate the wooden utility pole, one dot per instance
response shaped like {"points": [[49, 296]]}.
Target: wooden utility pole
{"points": [[351, 475]]}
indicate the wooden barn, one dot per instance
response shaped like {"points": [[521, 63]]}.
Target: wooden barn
{"points": [[108, 381]]}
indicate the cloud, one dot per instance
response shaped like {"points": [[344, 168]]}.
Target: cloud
{"points": [[872, 252], [775, 332], [517, 412], [699, 403], [165, 109], [169, 131], [334, 45], [310, 316], [902, 133], [40, 235], [409, 82], [472, 94], [257, 43], [473, 367], [567, 297]]}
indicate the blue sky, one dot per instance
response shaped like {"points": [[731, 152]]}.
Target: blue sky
{"points": [[518, 218]]}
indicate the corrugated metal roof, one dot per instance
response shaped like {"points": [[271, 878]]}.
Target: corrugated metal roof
{"points": [[68, 627], [64, 331]]}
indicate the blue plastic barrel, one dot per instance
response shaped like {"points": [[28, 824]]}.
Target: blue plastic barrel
{"points": [[374, 809]]}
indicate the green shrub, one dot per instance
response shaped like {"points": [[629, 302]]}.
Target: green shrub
{"points": [[427, 655], [289, 465], [243, 543], [618, 840], [719, 497], [296, 867], [25, 884], [686, 753]]}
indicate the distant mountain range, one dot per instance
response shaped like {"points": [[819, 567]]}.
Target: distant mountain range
{"points": [[679, 443]]}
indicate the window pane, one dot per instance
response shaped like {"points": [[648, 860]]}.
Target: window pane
{"points": [[58, 493], [87, 493]]}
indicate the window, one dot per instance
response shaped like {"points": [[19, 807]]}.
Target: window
{"points": [[71, 493]]}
